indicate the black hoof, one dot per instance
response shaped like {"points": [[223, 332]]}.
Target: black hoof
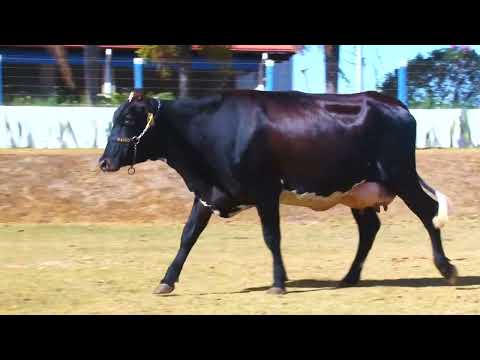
{"points": [[348, 281], [276, 291], [163, 289], [449, 272]]}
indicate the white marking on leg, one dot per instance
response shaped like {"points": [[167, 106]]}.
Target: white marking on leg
{"points": [[442, 216], [429, 193], [216, 212]]}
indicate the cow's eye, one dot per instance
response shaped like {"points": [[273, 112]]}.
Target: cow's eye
{"points": [[128, 121]]}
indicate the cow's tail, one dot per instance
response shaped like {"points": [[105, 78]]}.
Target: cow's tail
{"points": [[443, 204]]}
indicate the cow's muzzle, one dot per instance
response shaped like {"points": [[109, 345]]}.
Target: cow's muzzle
{"points": [[106, 165]]}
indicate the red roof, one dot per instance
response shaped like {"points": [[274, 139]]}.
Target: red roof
{"points": [[260, 48], [239, 48]]}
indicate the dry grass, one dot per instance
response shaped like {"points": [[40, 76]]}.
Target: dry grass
{"points": [[71, 242], [98, 269]]}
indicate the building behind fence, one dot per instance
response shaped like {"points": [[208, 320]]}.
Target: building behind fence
{"points": [[30, 75]]}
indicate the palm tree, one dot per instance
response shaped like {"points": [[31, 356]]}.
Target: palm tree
{"points": [[182, 55], [60, 54], [91, 72], [332, 59], [161, 54], [91, 69]]}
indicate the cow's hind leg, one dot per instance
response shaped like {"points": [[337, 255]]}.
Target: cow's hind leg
{"points": [[269, 213], [397, 157], [426, 206], [368, 225], [198, 220]]}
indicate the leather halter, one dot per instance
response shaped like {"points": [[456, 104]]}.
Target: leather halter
{"points": [[135, 140]]}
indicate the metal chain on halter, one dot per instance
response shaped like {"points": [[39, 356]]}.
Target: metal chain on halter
{"points": [[135, 140], [131, 170]]}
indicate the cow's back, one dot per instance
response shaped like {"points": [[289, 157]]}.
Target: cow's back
{"points": [[320, 143]]}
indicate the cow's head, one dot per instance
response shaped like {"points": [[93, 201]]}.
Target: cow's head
{"points": [[133, 122]]}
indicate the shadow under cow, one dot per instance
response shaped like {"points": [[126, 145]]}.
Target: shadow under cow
{"points": [[333, 284]]}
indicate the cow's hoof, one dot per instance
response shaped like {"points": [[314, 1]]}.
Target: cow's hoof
{"points": [[452, 275], [163, 289], [276, 291], [449, 272], [349, 281]]}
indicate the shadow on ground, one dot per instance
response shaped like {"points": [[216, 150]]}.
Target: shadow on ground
{"points": [[415, 283]]}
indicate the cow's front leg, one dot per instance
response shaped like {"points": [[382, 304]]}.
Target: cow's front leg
{"points": [[268, 210], [198, 220]]}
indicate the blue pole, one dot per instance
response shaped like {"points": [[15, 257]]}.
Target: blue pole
{"points": [[402, 90], [138, 73], [269, 75], [1, 81]]}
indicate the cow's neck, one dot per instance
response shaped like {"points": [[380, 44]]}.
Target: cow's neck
{"points": [[186, 163], [189, 116], [181, 153]]}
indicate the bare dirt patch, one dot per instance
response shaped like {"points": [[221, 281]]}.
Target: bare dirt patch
{"points": [[66, 186]]}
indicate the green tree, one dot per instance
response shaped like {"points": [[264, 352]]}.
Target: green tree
{"points": [[181, 56], [445, 78]]}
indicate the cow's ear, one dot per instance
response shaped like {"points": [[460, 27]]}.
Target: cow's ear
{"points": [[136, 95]]}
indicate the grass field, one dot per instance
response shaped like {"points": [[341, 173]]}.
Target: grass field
{"points": [[74, 241]]}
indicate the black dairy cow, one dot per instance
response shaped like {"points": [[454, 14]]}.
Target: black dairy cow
{"points": [[241, 149]]}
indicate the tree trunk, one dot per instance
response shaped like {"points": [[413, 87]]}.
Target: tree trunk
{"points": [[47, 80], [60, 55], [183, 80], [185, 63], [91, 73], [332, 57]]}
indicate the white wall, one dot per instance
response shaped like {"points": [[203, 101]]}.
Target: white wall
{"points": [[54, 127], [443, 127], [88, 127]]}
